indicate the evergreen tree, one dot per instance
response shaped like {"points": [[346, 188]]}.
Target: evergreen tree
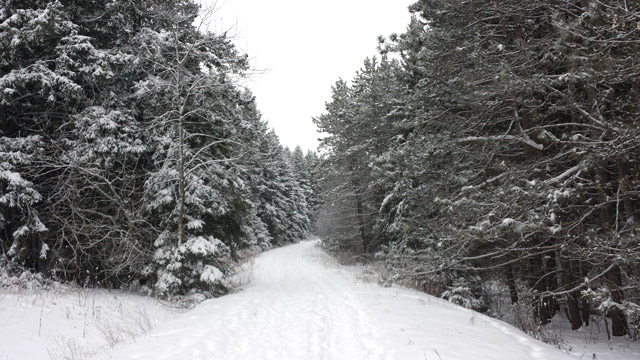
{"points": [[38, 94], [128, 149], [508, 156], [359, 121], [280, 202]]}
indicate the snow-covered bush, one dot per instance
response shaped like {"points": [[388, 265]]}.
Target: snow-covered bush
{"points": [[604, 303], [460, 293], [198, 265], [13, 277]]}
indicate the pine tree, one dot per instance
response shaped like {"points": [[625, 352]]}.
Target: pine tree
{"points": [[359, 121], [280, 201], [128, 149], [507, 155], [35, 97]]}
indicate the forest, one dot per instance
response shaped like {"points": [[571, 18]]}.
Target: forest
{"points": [[129, 151], [488, 155]]}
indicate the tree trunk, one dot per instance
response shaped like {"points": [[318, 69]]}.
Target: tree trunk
{"points": [[511, 282], [586, 311], [583, 270], [603, 213], [537, 282], [551, 282], [181, 185], [360, 214], [182, 112], [619, 326], [570, 280], [574, 309], [623, 188]]}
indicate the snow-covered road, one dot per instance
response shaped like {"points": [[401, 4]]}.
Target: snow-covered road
{"points": [[302, 305]]}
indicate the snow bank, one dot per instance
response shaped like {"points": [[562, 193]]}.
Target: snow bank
{"points": [[73, 323]]}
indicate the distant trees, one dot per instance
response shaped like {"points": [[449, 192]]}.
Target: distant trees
{"points": [[360, 121], [281, 203], [508, 159], [128, 151]]}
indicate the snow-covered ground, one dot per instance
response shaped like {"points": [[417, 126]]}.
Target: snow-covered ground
{"points": [[302, 305], [586, 342], [69, 323], [299, 305]]}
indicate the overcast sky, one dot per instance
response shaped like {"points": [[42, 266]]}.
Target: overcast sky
{"points": [[305, 47]]}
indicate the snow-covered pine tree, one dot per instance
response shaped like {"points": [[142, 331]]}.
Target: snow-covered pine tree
{"points": [[507, 151], [279, 199], [98, 213], [124, 140], [312, 163], [68, 84], [339, 221], [302, 173], [35, 98], [359, 123], [194, 111], [514, 159]]}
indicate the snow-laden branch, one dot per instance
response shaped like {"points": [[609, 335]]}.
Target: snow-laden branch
{"points": [[482, 184], [521, 139], [600, 121], [526, 137], [582, 285], [565, 174]]}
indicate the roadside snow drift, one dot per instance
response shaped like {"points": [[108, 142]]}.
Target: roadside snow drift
{"points": [[302, 305], [66, 323]]}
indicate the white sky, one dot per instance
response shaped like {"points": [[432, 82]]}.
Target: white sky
{"points": [[305, 47]]}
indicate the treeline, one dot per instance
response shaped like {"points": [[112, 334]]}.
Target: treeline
{"points": [[491, 154], [128, 151]]}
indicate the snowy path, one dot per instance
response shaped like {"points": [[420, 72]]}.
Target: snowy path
{"points": [[301, 305]]}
